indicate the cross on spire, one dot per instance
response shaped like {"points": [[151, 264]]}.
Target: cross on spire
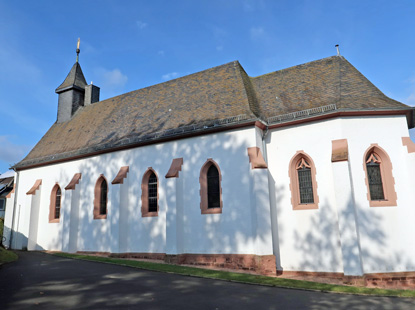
{"points": [[77, 49]]}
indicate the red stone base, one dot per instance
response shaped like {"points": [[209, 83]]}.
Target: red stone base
{"points": [[405, 280], [156, 256], [398, 280], [264, 264]]}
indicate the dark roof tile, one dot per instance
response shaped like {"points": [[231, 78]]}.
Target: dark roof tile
{"points": [[217, 93], [75, 78]]}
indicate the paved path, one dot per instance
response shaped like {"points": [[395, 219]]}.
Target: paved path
{"points": [[42, 281]]}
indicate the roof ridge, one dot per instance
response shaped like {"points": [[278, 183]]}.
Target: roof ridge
{"points": [[296, 66], [249, 89], [364, 77], [170, 81]]}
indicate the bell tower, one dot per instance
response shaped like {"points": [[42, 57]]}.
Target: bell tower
{"points": [[72, 92]]}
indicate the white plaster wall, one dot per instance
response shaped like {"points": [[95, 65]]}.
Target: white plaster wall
{"points": [[229, 232], [386, 233], [309, 239], [8, 218]]}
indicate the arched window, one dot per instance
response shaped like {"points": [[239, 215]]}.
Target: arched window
{"points": [[101, 198], [149, 194], [303, 183], [55, 204], [152, 193], [374, 177], [379, 179], [210, 188], [213, 188]]}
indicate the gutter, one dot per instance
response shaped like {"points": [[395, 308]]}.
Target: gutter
{"points": [[129, 143], [240, 121]]}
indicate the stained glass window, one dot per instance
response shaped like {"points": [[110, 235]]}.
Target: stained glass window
{"points": [[152, 193], [374, 177], [305, 182], [58, 203]]}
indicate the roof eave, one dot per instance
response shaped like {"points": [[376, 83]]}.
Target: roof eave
{"points": [[409, 112], [127, 143]]}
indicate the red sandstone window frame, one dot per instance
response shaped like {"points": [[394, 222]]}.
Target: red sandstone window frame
{"points": [[144, 194], [97, 199], [52, 205], [388, 182], [204, 188], [294, 183]]}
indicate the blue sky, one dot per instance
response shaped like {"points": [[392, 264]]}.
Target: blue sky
{"points": [[127, 45]]}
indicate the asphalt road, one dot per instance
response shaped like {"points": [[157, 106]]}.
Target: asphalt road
{"points": [[43, 281]]}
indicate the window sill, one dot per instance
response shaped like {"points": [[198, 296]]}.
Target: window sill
{"points": [[311, 206], [212, 211], [100, 217], [382, 203], [150, 214]]}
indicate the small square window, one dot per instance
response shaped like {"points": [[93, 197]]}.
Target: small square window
{"points": [[2, 204]]}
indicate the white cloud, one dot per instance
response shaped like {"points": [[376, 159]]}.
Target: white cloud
{"points": [[11, 152], [141, 24], [110, 80], [257, 32], [170, 76]]}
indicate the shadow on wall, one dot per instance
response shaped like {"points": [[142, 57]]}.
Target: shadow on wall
{"points": [[18, 238], [370, 225], [276, 197], [233, 231], [316, 245]]}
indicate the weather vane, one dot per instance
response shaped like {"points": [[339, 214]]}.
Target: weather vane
{"points": [[77, 49]]}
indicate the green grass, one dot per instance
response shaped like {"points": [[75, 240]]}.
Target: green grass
{"points": [[7, 256], [244, 278]]}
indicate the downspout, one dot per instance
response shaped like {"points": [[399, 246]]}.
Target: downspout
{"points": [[264, 145], [14, 207]]}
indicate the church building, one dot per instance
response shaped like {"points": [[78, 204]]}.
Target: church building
{"points": [[305, 169]]}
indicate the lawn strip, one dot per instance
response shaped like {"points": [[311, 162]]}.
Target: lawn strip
{"points": [[7, 256], [244, 278]]}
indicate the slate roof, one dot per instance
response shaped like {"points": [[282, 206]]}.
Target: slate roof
{"points": [[75, 78], [215, 94], [331, 80]]}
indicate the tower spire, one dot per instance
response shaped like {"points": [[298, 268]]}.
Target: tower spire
{"points": [[77, 49]]}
